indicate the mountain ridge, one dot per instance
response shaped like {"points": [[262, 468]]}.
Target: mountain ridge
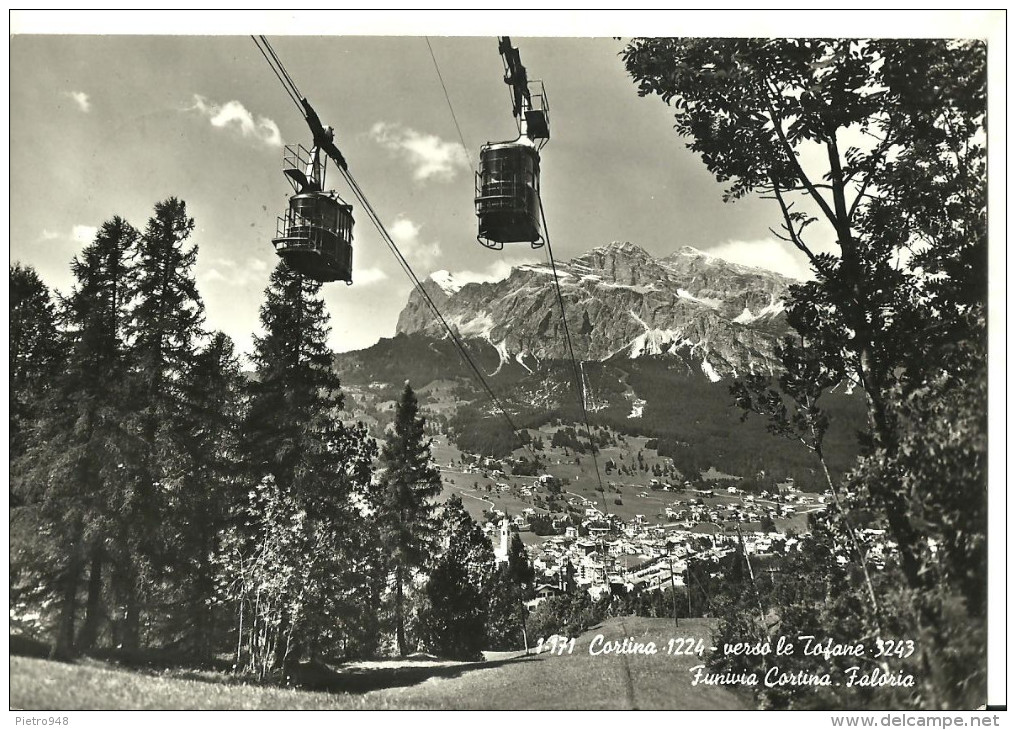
{"points": [[620, 302]]}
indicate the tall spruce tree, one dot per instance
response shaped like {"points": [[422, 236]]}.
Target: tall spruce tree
{"points": [[410, 482], [295, 395], [294, 439], [36, 357], [165, 323], [206, 493], [510, 586], [72, 477], [35, 354]]}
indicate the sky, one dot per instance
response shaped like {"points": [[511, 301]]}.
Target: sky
{"points": [[105, 125]]}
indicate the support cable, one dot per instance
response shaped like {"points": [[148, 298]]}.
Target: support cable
{"points": [[386, 237], [448, 100], [282, 68], [278, 73], [294, 93], [571, 353]]}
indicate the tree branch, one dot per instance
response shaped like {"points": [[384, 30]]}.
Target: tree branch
{"points": [[880, 152], [795, 237], [788, 150]]}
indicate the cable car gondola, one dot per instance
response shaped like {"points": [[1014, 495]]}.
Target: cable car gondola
{"points": [[315, 236], [508, 180]]}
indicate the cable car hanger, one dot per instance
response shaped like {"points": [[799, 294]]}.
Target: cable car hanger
{"points": [[508, 180], [315, 235]]}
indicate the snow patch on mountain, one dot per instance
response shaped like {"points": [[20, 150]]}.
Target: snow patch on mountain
{"points": [[477, 325], [519, 359], [448, 283], [654, 341], [641, 288], [710, 372], [745, 317], [708, 301], [537, 269], [502, 351], [774, 307]]}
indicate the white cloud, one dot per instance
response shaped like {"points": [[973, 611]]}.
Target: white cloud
{"points": [[79, 234], [235, 116], [84, 234], [81, 99], [766, 253], [429, 155], [242, 273], [405, 231], [407, 235], [497, 271], [368, 276]]}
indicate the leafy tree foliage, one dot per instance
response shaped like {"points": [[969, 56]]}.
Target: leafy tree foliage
{"points": [[455, 616], [899, 312], [265, 569], [569, 614]]}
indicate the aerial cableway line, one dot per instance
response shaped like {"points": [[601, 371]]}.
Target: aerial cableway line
{"points": [[298, 230], [509, 206]]}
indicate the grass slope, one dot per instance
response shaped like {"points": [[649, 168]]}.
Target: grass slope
{"points": [[577, 681]]}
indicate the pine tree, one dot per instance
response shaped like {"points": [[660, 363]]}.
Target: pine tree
{"points": [[36, 358], [206, 494], [410, 482], [165, 323], [509, 588], [72, 477], [295, 394], [35, 355], [466, 544], [455, 616], [293, 438]]}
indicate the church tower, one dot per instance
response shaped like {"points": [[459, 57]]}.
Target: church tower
{"points": [[501, 553]]}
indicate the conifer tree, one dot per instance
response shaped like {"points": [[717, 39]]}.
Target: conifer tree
{"points": [[293, 438], [35, 355], [165, 323], [466, 544], [207, 492], [509, 587], [410, 483], [72, 477], [295, 394]]}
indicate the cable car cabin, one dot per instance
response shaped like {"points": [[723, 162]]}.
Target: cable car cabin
{"points": [[315, 237], [507, 195]]}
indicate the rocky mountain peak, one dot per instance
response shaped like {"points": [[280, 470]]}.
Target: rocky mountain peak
{"points": [[620, 302]]}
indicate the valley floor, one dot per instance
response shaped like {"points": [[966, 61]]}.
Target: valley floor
{"points": [[505, 681]]}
